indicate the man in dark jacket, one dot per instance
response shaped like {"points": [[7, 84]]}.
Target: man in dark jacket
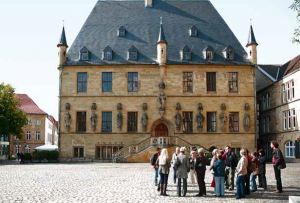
{"points": [[278, 164], [153, 163], [200, 170], [231, 163]]}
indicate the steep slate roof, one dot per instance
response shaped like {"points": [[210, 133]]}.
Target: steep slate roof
{"points": [[271, 70], [62, 39], [143, 25], [28, 106], [251, 37]]}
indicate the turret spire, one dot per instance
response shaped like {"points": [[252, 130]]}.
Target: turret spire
{"points": [[251, 38], [161, 37], [63, 39]]}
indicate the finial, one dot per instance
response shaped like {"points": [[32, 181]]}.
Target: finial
{"points": [[161, 20], [63, 23], [250, 21]]}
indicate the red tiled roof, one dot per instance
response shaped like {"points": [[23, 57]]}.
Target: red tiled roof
{"points": [[28, 106], [53, 121]]}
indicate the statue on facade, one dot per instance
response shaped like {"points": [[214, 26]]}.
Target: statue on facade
{"points": [[178, 121], [247, 122], [162, 101], [93, 121], [67, 121], [119, 120], [144, 120], [200, 119], [223, 119]]}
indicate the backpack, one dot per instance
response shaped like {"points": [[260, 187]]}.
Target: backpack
{"points": [[153, 159]]}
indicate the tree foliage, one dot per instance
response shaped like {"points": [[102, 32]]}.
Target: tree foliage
{"points": [[12, 119], [296, 7]]}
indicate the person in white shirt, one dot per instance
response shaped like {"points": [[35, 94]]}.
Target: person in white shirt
{"points": [[193, 173]]}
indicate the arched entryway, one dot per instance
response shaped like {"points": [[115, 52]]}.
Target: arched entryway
{"points": [[161, 130]]}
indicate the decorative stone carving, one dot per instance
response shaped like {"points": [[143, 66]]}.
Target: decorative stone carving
{"points": [[94, 106], [161, 85], [162, 101], [178, 121], [119, 121], [200, 119], [119, 106], [145, 106], [178, 106], [93, 121], [223, 119], [223, 106], [67, 121], [247, 122], [144, 120], [247, 106], [200, 107], [67, 106]]}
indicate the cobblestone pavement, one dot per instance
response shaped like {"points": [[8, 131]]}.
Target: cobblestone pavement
{"points": [[102, 182]]}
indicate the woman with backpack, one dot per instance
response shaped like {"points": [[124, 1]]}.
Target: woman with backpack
{"points": [[163, 162]]}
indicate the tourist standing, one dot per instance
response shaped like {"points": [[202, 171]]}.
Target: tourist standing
{"points": [[278, 164], [241, 171], [215, 154], [182, 166], [231, 163], [153, 163], [192, 167], [22, 158], [200, 170], [262, 169], [249, 171], [163, 162], [174, 157], [254, 173], [219, 175]]}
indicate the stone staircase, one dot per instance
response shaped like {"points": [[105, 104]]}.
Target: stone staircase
{"points": [[162, 142]]}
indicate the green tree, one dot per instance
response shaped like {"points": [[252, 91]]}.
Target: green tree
{"points": [[296, 7], [12, 119]]}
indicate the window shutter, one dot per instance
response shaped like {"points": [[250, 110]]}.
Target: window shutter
{"points": [[297, 149]]}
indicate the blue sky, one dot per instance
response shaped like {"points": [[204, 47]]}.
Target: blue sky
{"points": [[30, 31]]}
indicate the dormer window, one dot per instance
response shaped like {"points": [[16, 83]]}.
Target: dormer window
{"points": [[84, 54], [107, 54], [132, 54], [228, 53], [121, 32], [208, 53], [186, 54], [193, 31]]}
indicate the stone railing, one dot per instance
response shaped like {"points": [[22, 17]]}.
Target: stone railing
{"points": [[120, 156]]}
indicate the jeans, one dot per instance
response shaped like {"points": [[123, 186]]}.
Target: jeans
{"points": [[164, 179], [240, 186], [230, 172], [174, 175], [219, 188], [184, 190], [156, 176], [278, 178], [253, 182]]}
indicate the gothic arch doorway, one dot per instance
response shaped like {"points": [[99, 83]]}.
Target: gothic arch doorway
{"points": [[161, 130]]}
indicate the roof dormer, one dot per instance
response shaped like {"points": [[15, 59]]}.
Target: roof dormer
{"points": [[107, 54], [193, 31], [186, 54], [228, 53], [132, 54], [122, 32], [84, 54], [208, 53]]}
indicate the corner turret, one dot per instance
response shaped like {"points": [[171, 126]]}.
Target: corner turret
{"points": [[252, 46], [63, 46]]}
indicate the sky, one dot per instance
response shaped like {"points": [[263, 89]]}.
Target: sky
{"points": [[30, 30]]}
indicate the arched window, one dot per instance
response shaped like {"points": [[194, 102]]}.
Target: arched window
{"points": [[290, 149]]}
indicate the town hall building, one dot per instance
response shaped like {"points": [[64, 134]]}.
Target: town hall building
{"points": [[148, 73]]}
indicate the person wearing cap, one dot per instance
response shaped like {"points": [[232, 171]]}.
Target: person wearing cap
{"points": [[182, 165]]}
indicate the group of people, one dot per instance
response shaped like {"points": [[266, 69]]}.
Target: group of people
{"points": [[227, 170]]}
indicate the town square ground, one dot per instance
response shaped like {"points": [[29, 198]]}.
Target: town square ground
{"points": [[105, 182]]}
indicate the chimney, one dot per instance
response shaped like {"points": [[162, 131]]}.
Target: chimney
{"points": [[148, 3]]}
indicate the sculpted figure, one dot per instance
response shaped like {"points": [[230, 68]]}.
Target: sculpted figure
{"points": [[200, 119], [178, 121], [93, 121], [246, 122], [162, 101], [67, 121], [144, 121], [119, 120], [223, 119]]}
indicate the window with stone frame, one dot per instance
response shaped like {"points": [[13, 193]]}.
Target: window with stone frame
{"points": [[37, 135], [293, 112], [106, 121], [233, 121], [283, 93], [106, 82], [268, 100], [187, 81], [28, 135], [233, 82], [268, 124], [211, 121], [288, 91], [285, 120], [133, 82], [211, 81], [81, 121], [81, 82], [132, 122], [290, 149], [264, 125], [187, 122], [38, 122], [78, 152]]}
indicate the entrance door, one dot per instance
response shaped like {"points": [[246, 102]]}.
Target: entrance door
{"points": [[161, 130]]}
